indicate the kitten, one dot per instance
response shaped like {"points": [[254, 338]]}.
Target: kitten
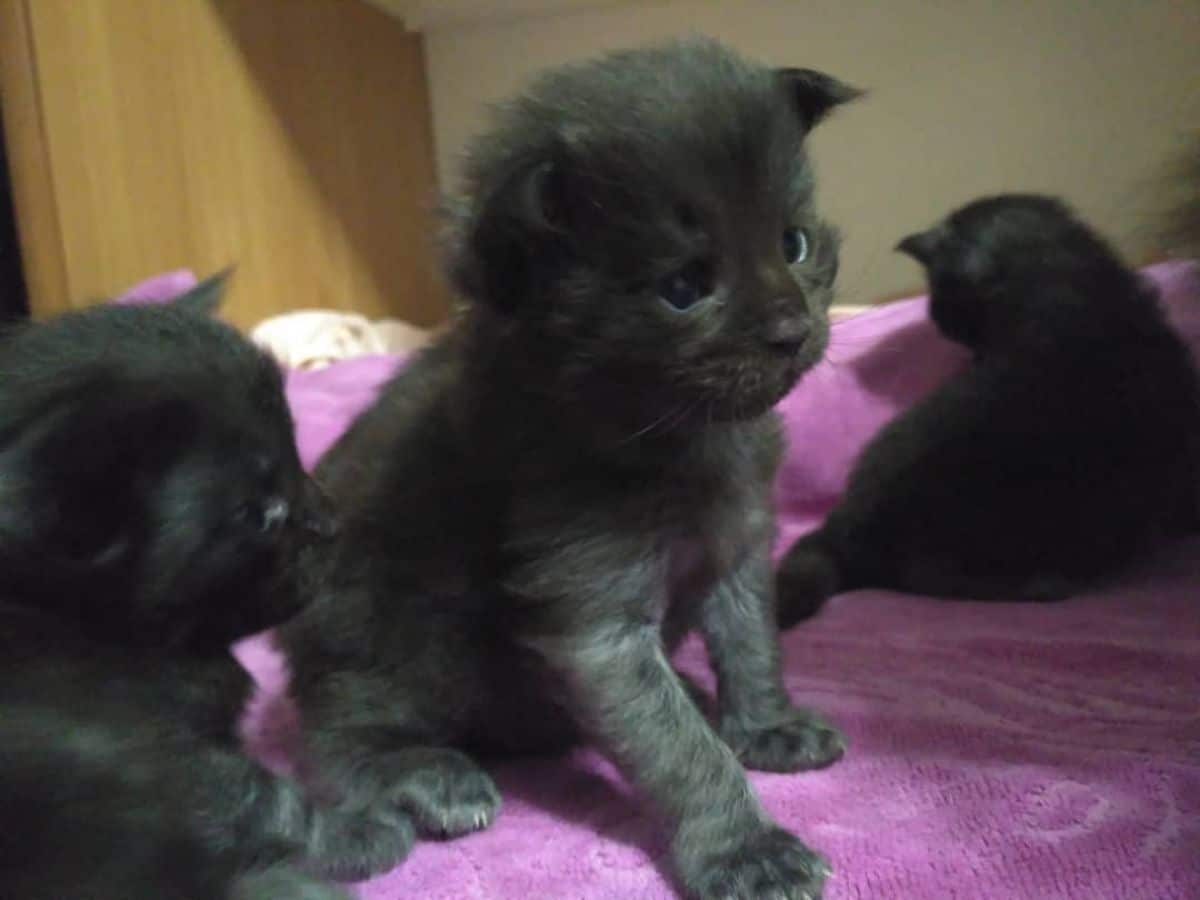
{"points": [[546, 500], [153, 510], [1068, 448]]}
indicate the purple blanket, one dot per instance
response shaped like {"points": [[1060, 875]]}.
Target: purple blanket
{"points": [[997, 752]]}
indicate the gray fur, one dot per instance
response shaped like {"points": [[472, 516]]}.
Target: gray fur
{"points": [[543, 503]]}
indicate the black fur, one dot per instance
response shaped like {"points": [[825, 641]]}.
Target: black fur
{"points": [[1069, 447], [153, 509], [549, 498]]}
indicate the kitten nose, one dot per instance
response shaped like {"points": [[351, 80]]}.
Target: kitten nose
{"points": [[787, 335]]}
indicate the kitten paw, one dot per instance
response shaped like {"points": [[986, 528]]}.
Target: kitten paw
{"points": [[770, 864], [801, 742], [351, 844], [282, 883], [447, 794]]}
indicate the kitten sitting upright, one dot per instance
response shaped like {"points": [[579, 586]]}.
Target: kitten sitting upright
{"points": [[153, 509], [545, 501], [1069, 447]]}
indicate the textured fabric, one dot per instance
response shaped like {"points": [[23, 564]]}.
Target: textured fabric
{"points": [[315, 338], [997, 752], [302, 339]]}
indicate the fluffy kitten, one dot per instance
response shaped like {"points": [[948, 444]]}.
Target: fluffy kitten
{"points": [[1066, 450], [546, 500], [153, 506]]}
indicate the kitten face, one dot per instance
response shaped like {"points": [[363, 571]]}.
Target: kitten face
{"points": [[153, 487], [657, 237], [712, 293], [1002, 265], [225, 520]]}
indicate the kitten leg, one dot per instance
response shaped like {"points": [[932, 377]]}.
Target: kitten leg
{"points": [[377, 738], [629, 697], [210, 694], [244, 809], [442, 789], [756, 716], [282, 883]]}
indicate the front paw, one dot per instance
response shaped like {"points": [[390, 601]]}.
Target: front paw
{"points": [[798, 742], [283, 884], [768, 864], [351, 844], [446, 793]]}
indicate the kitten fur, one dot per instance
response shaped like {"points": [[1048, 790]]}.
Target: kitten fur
{"points": [[1069, 447], [544, 502], [153, 509]]}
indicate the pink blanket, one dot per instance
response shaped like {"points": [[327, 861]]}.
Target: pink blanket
{"points": [[997, 752]]}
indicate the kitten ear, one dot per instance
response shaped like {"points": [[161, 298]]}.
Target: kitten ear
{"points": [[510, 238], [205, 298], [920, 246], [814, 94]]}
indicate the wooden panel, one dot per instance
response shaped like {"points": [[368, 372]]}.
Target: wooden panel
{"points": [[32, 187], [289, 137]]}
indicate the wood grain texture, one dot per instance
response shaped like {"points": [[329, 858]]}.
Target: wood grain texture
{"points": [[33, 191], [288, 137]]}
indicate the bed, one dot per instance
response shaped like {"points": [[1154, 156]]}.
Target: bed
{"points": [[997, 751]]}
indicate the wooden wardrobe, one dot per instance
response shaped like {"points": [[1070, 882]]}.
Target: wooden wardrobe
{"points": [[290, 138]]}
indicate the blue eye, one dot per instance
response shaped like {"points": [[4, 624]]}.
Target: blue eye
{"points": [[795, 245], [685, 288]]}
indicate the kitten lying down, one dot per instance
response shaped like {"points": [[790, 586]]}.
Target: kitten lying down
{"points": [[1070, 447], [153, 509], [578, 473]]}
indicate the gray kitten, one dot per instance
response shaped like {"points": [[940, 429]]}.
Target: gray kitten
{"points": [[579, 473]]}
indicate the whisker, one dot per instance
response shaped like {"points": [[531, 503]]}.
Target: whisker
{"points": [[682, 417], [669, 414]]}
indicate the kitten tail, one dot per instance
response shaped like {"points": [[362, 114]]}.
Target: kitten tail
{"points": [[807, 577]]}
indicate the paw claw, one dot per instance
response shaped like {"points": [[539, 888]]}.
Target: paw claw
{"points": [[449, 796], [801, 742]]}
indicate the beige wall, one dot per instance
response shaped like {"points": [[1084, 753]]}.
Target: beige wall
{"points": [[1089, 99]]}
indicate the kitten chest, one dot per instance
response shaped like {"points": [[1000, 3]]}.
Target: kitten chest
{"points": [[710, 540]]}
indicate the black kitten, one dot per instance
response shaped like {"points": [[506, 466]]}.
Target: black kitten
{"points": [[1065, 451], [578, 474], [153, 508]]}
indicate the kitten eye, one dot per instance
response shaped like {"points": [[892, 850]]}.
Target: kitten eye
{"points": [[795, 245], [685, 288]]}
